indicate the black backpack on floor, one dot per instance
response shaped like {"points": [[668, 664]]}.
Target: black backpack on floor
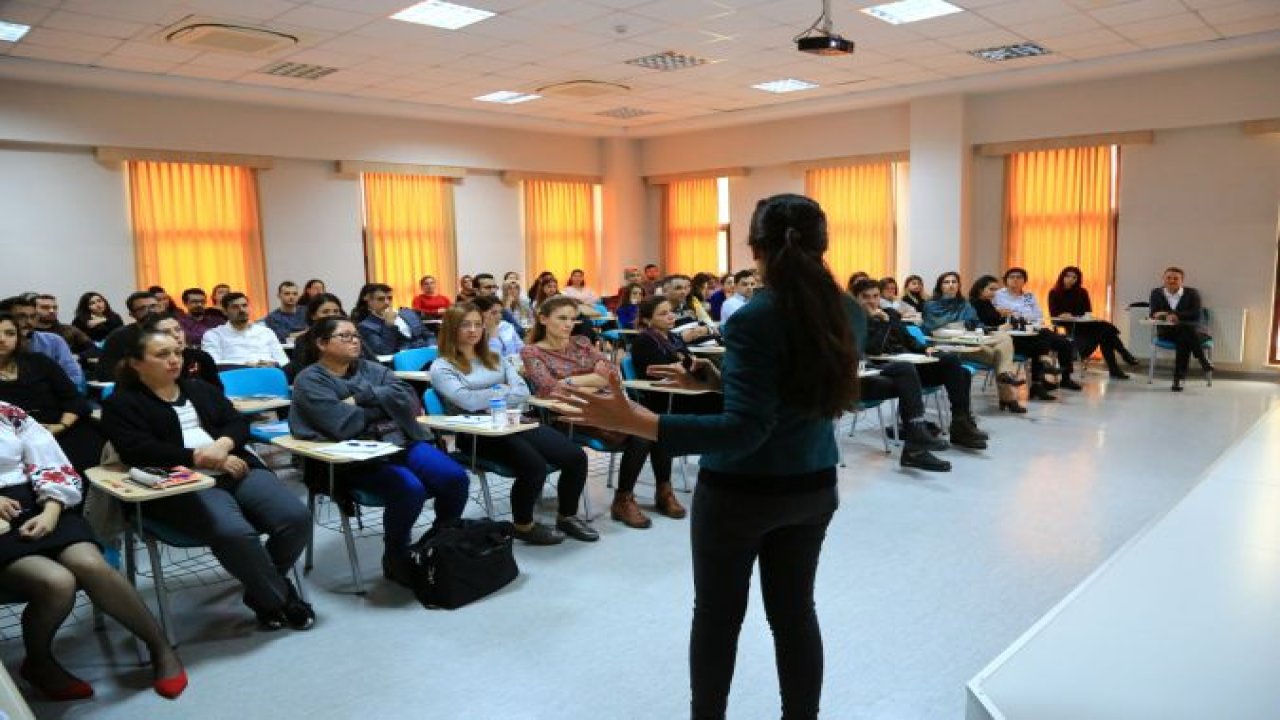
{"points": [[456, 565]]}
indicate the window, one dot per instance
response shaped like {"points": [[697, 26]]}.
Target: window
{"points": [[695, 226], [1273, 356], [860, 202], [724, 236], [1060, 210], [197, 225], [560, 227], [409, 232]]}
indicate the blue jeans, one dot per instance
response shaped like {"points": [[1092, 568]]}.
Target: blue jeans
{"points": [[405, 486]]}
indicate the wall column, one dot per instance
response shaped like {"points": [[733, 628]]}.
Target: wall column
{"points": [[624, 224], [937, 237]]}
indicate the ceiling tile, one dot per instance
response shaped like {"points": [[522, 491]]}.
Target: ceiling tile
{"points": [[954, 24], [1097, 51], [246, 9], [1249, 27], [381, 8], [567, 13], [326, 57], [320, 18], [206, 72], [145, 65], [148, 11], [164, 52], [1240, 11], [682, 11], [90, 24], [1061, 25], [224, 61], [1182, 22], [24, 12], [1139, 10], [1010, 13], [69, 40], [1093, 38], [1181, 37], [54, 54], [978, 41]]}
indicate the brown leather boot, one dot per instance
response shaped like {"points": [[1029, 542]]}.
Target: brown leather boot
{"points": [[666, 502], [626, 511]]}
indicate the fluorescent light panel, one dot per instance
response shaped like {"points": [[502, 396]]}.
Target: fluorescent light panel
{"points": [[507, 97], [785, 86], [438, 13], [909, 11], [12, 32]]}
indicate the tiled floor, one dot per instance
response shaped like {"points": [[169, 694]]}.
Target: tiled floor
{"points": [[924, 579]]}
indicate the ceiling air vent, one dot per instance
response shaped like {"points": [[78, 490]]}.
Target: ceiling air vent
{"points": [[625, 113], [227, 37], [1009, 52], [582, 89], [298, 70], [668, 61]]}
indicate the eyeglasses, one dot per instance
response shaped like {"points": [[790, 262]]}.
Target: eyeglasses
{"points": [[344, 337], [471, 325]]}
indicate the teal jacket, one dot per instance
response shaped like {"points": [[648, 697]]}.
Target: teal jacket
{"points": [[760, 432]]}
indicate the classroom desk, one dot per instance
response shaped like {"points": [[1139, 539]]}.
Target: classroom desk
{"points": [[315, 450], [423, 376], [707, 350], [445, 423], [913, 358], [12, 705], [253, 405]]}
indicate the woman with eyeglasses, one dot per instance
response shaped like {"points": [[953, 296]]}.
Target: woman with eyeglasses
{"points": [[342, 397]]}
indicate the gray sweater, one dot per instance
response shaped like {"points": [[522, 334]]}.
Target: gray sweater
{"points": [[319, 413], [470, 392]]}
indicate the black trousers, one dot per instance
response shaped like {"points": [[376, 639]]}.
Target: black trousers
{"points": [[896, 380], [730, 531], [528, 454], [1189, 340], [1094, 335]]}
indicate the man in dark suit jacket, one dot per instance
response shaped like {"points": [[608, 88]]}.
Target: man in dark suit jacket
{"points": [[1179, 304]]}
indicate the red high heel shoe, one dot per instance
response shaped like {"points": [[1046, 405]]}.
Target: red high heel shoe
{"points": [[172, 686], [77, 689]]}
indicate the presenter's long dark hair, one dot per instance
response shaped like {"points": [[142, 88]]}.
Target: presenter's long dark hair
{"points": [[789, 237]]}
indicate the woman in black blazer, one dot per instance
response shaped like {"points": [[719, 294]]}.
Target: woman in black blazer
{"points": [[157, 418], [1179, 304]]}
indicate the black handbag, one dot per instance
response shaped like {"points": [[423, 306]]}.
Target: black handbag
{"points": [[453, 566]]}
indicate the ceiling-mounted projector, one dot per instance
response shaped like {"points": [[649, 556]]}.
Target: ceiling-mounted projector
{"points": [[821, 39]]}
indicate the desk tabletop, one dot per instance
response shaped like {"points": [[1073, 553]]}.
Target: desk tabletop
{"points": [[257, 405], [553, 405], [1156, 323], [114, 480], [707, 349], [655, 386], [1021, 333], [913, 358], [414, 375], [966, 339], [1075, 319], [317, 450], [448, 424], [957, 349]]}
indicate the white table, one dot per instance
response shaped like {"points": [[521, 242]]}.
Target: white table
{"points": [[913, 358], [414, 375], [707, 349], [445, 423]]}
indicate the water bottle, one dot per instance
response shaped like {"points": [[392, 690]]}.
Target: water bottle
{"points": [[498, 407]]}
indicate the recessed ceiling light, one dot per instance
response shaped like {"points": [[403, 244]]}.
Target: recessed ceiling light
{"points": [[1010, 52], [909, 11], [507, 97], [12, 32], [438, 13], [785, 86]]}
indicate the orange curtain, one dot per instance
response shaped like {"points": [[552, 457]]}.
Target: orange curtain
{"points": [[690, 227], [560, 228], [1059, 211], [409, 232], [861, 209], [197, 226]]}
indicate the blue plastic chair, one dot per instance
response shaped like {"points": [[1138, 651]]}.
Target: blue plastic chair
{"points": [[1158, 344], [414, 359], [917, 333], [257, 382]]}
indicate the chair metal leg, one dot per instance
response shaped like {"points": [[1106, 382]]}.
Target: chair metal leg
{"points": [[684, 474], [1151, 364], [483, 477], [297, 582], [131, 572], [162, 593], [308, 562], [884, 433], [351, 551]]}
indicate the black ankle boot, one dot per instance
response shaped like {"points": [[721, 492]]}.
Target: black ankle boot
{"points": [[917, 434], [917, 457]]}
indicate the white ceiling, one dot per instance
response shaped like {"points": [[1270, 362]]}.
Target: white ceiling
{"points": [[396, 68]]}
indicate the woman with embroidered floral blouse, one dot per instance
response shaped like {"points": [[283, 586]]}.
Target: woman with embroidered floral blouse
{"points": [[47, 551]]}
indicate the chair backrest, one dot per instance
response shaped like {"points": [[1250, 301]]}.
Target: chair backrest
{"points": [[628, 368], [415, 359], [915, 332], [107, 390], [431, 402], [244, 382]]}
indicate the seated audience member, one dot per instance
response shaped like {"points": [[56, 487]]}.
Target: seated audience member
{"points": [[341, 397], [913, 293], [215, 297], [652, 280], [503, 339], [487, 286], [628, 309], [385, 330], [853, 279], [35, 383], [430, 302], [95, 317], [50, 551], [314, 287], [162, 297], [81, 345], [698, 297], [1070, 299], [318, 308], [630, 276], [536, 285], [141, 305], [725, 291], [1033, 347], [465, 376], [240, 342], [1178, 304], [556, 358], [886, 336], [689, 327], [196, 363], [516, 304], [889, 299], [23, 310], [656, 344], [466, 289], [576, 288], [745, 283], [290, 318], [1023, 305], [198, 318], [157, 418], [948, 307]]}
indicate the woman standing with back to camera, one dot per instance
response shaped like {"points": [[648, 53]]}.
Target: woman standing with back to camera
{"points": [[767, 485]]}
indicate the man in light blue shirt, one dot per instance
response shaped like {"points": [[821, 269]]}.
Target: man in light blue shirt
{"points": [[50, 344]]}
